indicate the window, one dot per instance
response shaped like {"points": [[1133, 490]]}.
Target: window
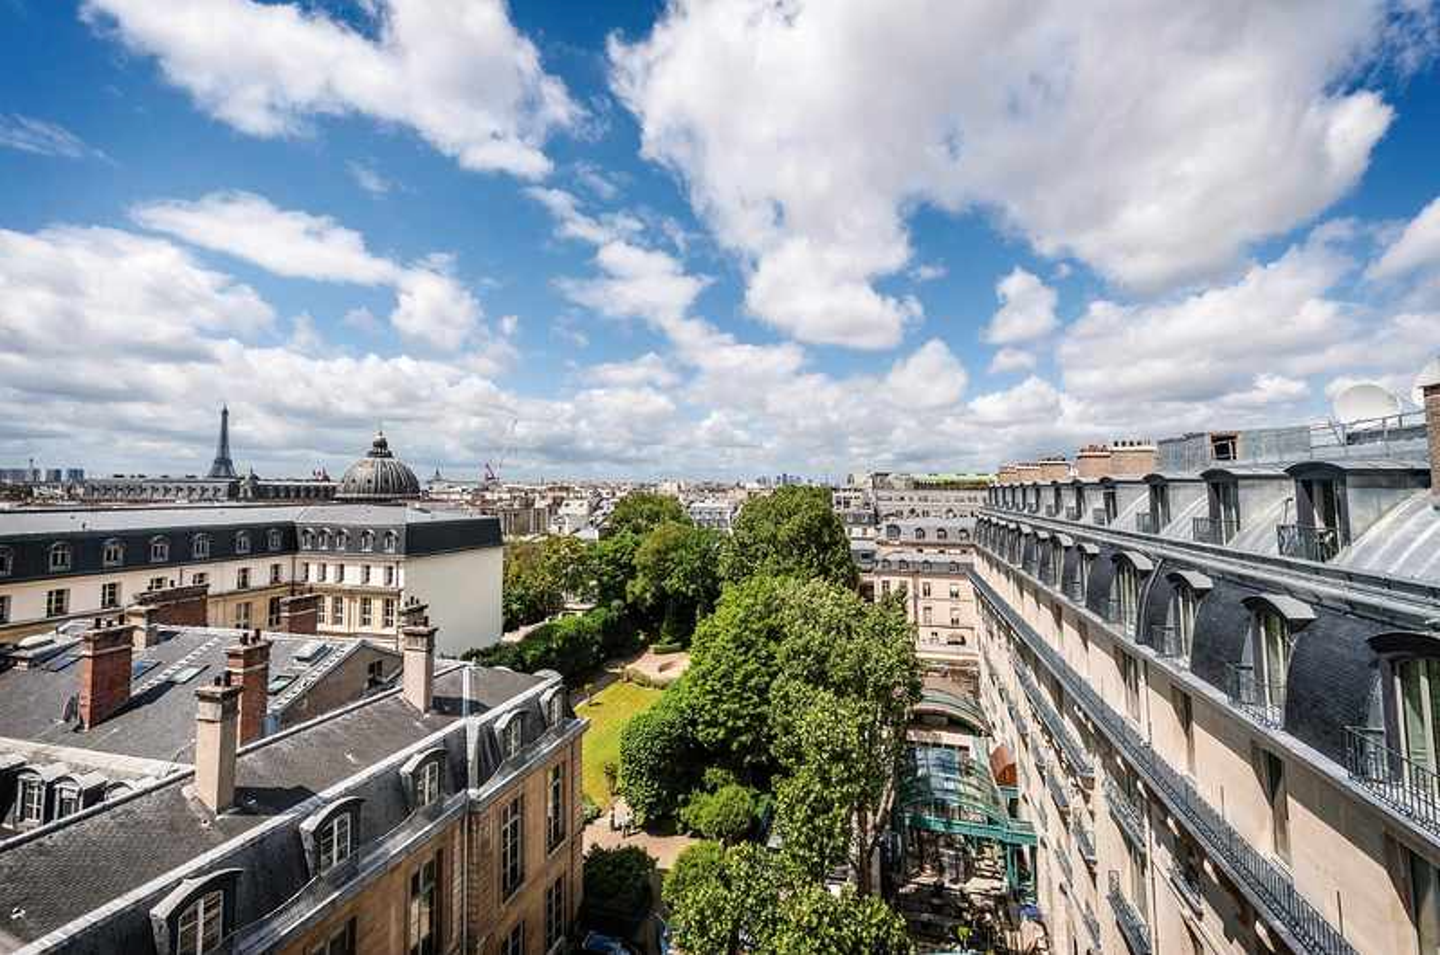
{"points": [[512, 838], [1270, 662], [320, 610], [242, 615], [337, 611], [514, 735], [57, 603], [159, 549], [307, 539], [1130, 676], [113, 554], [272, 614], [367, 612], [954, 591], [320, 572], [423, 918], [198, 579], [110, 595], [1417, 695], [272, 538], [1181, 620], [334, 842], [7, 561], [365, 573], [67, 800], [1126, 607], [387, 618], [1185, 716], [1279, 799], [925, 615], [555, 808], [4, 608], [156, 583], [342, 540], [367, 541], [941, 534], [341, 942], [427, 784], [242, 578], [32, 800], [323, 539], [277, 574], [339, 573], [59, 558], [925, 588], [555, 913], [392, 541], [390, 576], [242, 542], [919, 533], [374, 674], [201, 925], [515, 941], [305, 572]]}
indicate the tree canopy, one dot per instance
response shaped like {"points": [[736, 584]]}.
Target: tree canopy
{"points": [[676, 578], [791, 533], [640, 512]]}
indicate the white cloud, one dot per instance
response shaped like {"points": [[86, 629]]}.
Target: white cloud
{"points": [[1011, 359], [927, 272], [431, 306], [30, 135], [930, 377], [457, 72], [1027, 309], [509, 325], [805, 132], [1418, 246], [648, 369], [367, 178]]}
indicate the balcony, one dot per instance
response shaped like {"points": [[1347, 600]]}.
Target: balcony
{"points": [[1092, 925], [1062, 859], [1187, 884], [1146, 524], [1069, 746], [1132, 926], [1264, 701], [1055, 782], [1168, 645], [1318, 544], [1126, 814], [1085, 842], [1269, 888], [1214, 530], [1393, 778], [1072, 513]]}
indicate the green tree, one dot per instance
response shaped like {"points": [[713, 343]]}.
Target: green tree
{"points": [[618, 880], [568, 563], [640, 512], [676, 577], [791, 533], [723, 901], [813, 921], [530, 590], [726, 814], [613, 564], [732, 664], [658, 757]]}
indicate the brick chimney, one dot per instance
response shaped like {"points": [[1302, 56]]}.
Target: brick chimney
{"points": [[299, 613], [1431, 392], [1132, 458], [215, 743], [1054, 469], [417, 644], [1093, 462], [248, 665], [105, 652]]}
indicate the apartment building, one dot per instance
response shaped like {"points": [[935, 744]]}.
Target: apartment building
{"points": [[1225, 739], [439, 815], [929, 561]]}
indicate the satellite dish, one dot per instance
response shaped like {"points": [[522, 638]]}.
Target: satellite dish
{"points": [[1365, 401], [1429, 375]]}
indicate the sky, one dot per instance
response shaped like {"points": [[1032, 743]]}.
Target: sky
{"points": [[703, 238]]}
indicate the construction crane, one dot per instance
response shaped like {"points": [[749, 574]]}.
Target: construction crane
{"points": [[492, 472]]}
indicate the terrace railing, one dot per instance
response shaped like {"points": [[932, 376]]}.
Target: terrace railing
{"points": [[1394, 778], [1070, 747], [1214, 530], [1129, 817], [1263, 700], [1132, 926], [1145, 523], [1320, 544], [1167, 643]]}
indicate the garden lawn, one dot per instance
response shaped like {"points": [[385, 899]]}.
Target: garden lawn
{"points": [[608, 711]]}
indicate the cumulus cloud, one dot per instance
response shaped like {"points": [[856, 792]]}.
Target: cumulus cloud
{"points": [[457, 72], [930, 377], [1011, 359], [805, 132], [1027, 309], [367, 178], [431, 305], [648, 369], [1417, 247]]}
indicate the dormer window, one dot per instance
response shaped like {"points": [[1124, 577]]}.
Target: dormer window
{"points": [[324, 539], [201, 925], [514, 736], [392, 541], [59, 558], [342, 540], [242, 542], [427, 784], [67, 799], [941, 534], [113, 553], [919, 533], [159, 549], [31, 807], [7, 561], [334, 842], [307, 539], [200, 547], [273, 540], [367, 541]]}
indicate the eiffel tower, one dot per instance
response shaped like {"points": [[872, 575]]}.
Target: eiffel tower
{"points": [[223, 467]]}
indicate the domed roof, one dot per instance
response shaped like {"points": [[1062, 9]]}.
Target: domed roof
{"points": [[379, 476]]}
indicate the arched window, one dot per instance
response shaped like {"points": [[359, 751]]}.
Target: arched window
{"points": [[941, 534], [1180, 622], [273, 539], [1258, 682], [342, 540], [202, 925], [30, 804], [392, 541], [367, 541], [919, 533], [1125, 597], [324, 538], [334, 842], [113, 553], [307, 539], [242, 542], [200, 547], [159, 549], [59, 557]]}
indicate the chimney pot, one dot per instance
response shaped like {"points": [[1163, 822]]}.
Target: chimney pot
{"points": [[215, 744], [247, 665], [418, 648]]}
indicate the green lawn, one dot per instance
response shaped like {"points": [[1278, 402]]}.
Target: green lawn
{"points": [[608, 712]]}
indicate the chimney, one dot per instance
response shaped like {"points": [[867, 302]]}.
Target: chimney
{"points": [[1431, 392], [105, 652], [417, 643], [215, 743], [1093, 462], [299, 613], [1054, 469], [1132, 458], [247, 663]]}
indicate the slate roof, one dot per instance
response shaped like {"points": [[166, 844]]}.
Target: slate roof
{"points": [[68, 870]]}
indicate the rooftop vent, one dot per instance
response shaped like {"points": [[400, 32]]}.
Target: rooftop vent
{"points": [[311, 652]]}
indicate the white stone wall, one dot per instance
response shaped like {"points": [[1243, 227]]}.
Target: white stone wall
{"points": [[463, 591]]}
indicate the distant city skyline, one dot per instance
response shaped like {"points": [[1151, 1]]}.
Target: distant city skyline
{"points": [[935, 239]]}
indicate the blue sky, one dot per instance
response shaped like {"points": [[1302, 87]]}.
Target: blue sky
{"points": [[702, 239]]}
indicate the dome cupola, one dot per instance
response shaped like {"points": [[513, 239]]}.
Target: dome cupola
{"points": [[379, 476]]}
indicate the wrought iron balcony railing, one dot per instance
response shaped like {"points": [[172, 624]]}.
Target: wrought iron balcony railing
{"points": [[1320, 544], [1085, 842], [1055, 782], [1168, 644], [1092, 925], [1270, 888], [1187, 883], [1062, 858], [1132, 926], [1264, 700], [1129, 817], [1075, 754], [1145, 523], [1215, 530], [1394, 778]]}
